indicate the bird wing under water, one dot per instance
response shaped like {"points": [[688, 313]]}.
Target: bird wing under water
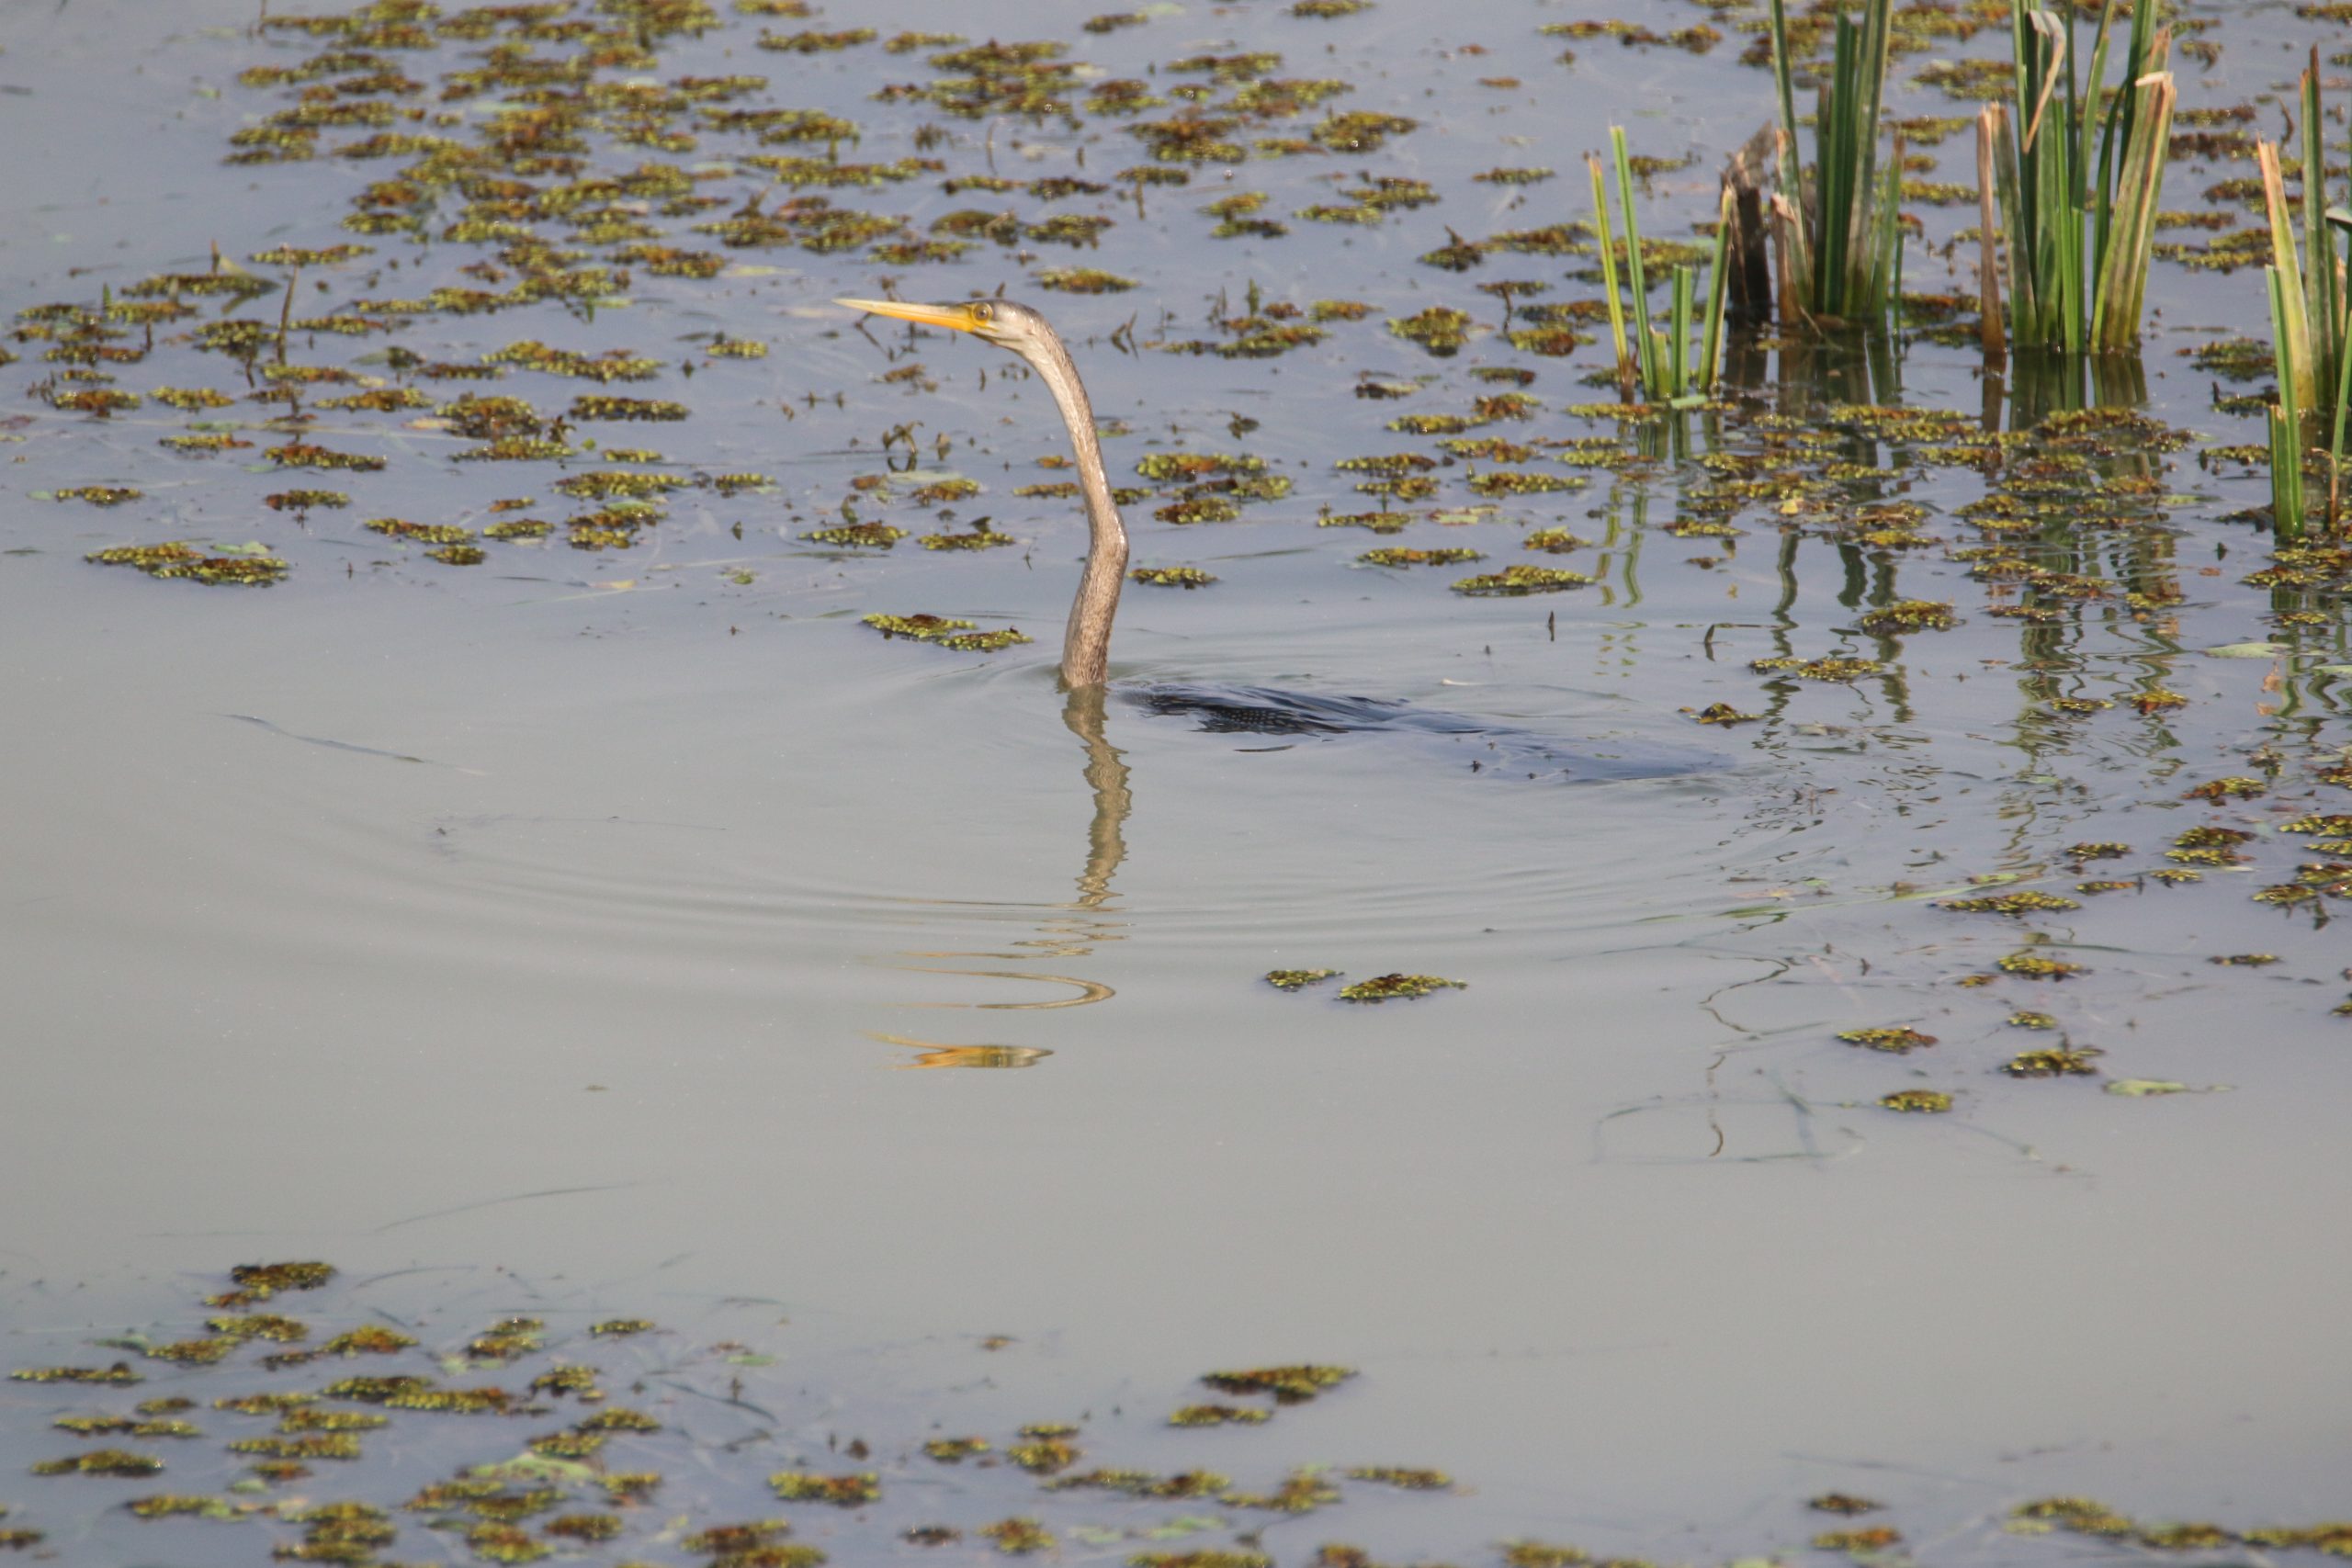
{"points": [[1263, 710]]}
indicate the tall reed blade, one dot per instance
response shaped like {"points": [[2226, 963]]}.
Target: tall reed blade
{"points": [[1609, 279]]}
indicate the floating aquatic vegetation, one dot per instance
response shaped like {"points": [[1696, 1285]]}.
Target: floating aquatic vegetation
{"points": [[2026, 1019], [845, 1491], [1880, 1537], [1170, 576], [1842, 1503], [1517, 580], [302, 455], [2235, 788], [1218, 1415], [2062, 1061], [1907, 615], [1440, 329], [1302, 1491], [1408, 1479], [2039, 967], [1915, 1100], [943, 632], [2030, 901], [1084, 280], [1722, 713], [1896, 1039], [101, 1461], [421, 533], [1835, 669], [1046, 1456], [1397, 557], [175, 559], [863, 536], [1382, 988], [118, 1373]]}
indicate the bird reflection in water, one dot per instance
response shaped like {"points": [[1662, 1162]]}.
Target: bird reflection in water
{"points": [[1073, 930]]}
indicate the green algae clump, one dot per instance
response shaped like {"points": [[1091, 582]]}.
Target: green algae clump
{"points": [[843, 1491], [1907, 615], [1171, 576], [1220, 1416], [119, 1372], [1292, 1384], [177, 560], [1894, 1039], [2026, 902], [941, 631], [858, 536], [1514, 581], [2060, 1062], [1389, 987], [1918, 1100], [101, 1461], [1295, 979], [1410, 1479], [1018, 1535]]}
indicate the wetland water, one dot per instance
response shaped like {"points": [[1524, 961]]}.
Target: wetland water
{"points": [[627, 930]]}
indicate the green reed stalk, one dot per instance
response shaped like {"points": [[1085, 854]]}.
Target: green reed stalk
{"points": [[1626, 368], [1633, 274], [2285, 414], [1719, 275], [2079, 188], [1842, 252], [2311, 319], [1654, 357]]}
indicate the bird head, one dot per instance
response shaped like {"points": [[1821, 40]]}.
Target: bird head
{"points": [[1001, 321]]}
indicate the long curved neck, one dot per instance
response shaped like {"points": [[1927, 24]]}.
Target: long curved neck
{"points": [[1085, 645]]}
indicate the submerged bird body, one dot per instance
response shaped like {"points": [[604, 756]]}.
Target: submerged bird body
{"points": [[1086, 642]]}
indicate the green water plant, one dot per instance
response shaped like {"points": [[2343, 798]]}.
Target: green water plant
{"points": [[1656, 362], [2076, 180], [1837, 227], [2311, 319]]}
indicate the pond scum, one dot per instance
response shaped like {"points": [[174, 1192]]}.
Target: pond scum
{"points": [[311, 1420]]}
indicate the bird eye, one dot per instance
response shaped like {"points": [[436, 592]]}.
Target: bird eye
{"points": [[984, 311]]}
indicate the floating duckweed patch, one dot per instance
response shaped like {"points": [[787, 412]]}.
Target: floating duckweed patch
{"points": [[1929, 1100], [1199, 509], [99, 495], [178, 559], [1390, 988], [1410, 1479], [1018, 1535], [1084, 280], [1398, 555], [421, 533], [101, 1461], [1220, 1416], [2039, 967], [1171, 576], [1878, 1538], [1295, 979], [858, 536], [1046, 1456], [1513, 580], [1896, 1038], [2063, 1061], [943, 632], [1907, 615], [1440, 329], [979, 537], [2028, 902], [844, 1491], [1837, 670]]}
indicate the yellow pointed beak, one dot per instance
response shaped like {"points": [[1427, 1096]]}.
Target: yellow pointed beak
{"points": [[956, 318]]}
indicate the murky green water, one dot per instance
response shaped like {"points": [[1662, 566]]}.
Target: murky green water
{"points": [[559, 935]]}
